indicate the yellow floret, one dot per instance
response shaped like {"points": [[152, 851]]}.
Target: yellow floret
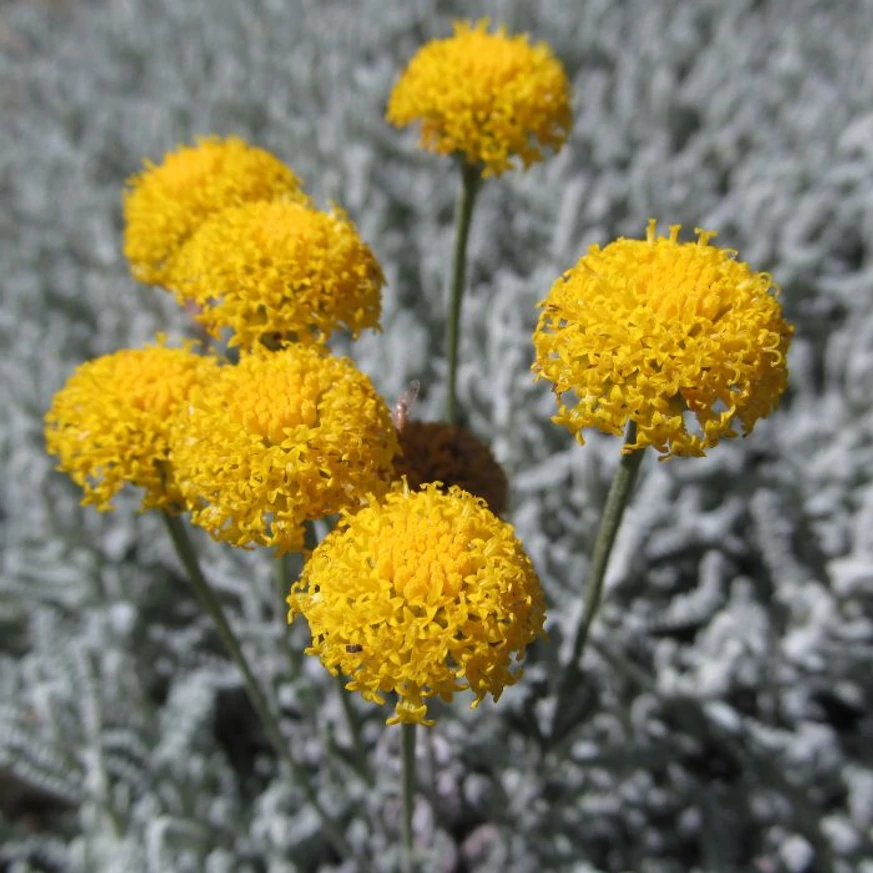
{"points": [[280, 439], [424, 594], [680, 338], [167, 202], [279, 268], [109, 425], [490, 97]]}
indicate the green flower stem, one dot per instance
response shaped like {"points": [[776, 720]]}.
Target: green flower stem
{"points": [[470, 181], [359, 753], [408, 733], [613, 511], [212, 605]]}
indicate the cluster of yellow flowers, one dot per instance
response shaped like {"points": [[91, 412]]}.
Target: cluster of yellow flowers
{"points": [[165, 205], [226, 227], [421, 590], [253, 450]]}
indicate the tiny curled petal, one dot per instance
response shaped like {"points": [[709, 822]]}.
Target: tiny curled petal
{"points": [[681, 338], [426, 593], [488, 96]]}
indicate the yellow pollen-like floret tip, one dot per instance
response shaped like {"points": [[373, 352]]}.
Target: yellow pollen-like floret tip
{"points": [[680, 338], [488, 96], [167, 202], [433, 451], [279, 268], [280, 439], [424, 594], [109, 425]]}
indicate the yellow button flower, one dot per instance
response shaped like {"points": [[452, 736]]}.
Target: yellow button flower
{"points": [[427, 593], [680, 338], [166, 203], [433, 451], [280, 439], [490, 97], [279, 268], [109, 424]]}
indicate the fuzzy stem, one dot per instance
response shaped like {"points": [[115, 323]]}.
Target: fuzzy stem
{"points": [[613, 511], [408, 734], [354, 726], [470, 181], [212, 605]]}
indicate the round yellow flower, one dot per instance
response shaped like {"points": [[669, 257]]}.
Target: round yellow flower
{"points": [[166, 203], [433, 451], [279, 268], [280, 439], [490, 97], [679, 338], [110, 423], [427, 593]]}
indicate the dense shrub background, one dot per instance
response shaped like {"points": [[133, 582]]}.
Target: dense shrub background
{"points": [[728, 711]]}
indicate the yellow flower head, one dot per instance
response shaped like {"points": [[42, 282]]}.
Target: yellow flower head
{"points": [[279, 268], [110, 423], [680, 338], [280, 439], [424, 594], [166, 203], [433, 451], [489, 96]]}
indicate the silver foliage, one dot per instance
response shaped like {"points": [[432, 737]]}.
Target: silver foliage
{"points": [[726, 722]]}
